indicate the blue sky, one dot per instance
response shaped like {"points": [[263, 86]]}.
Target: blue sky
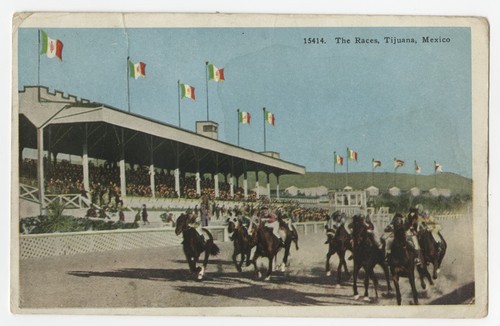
{"points": [[409, 101]]}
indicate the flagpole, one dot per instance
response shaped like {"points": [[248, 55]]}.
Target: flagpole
{"points": [[415, 173], [238, 112], [264, 110], [334, 165], [395, 168], [179, 100], [347, 166], [206, 79], [373, 169], [39, 65], [435, 175], [128, 83]]}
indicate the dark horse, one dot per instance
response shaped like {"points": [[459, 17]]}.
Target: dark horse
{"points": [[268, 245], [402, 257], [194, 244], [243, 242], [432, 251], [367, 255], [339, 242]]}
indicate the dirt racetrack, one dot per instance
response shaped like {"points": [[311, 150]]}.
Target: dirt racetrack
{"points": [[159, 277]]}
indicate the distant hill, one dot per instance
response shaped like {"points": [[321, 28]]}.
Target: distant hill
{"points": [[362, 180]]}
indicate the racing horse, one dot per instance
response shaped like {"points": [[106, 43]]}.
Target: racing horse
{"points": [[402, 257], [268, 245], [243, 241], [366, 254], [339, 241], [432, 251], [194, 244]]}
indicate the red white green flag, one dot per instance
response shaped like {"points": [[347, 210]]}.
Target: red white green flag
{"points": [[339, 160], [51, 47], [437, 167], [398, 163], [245, 117], [352, 155], [187, 91], [137, 69], [376, 163], [215, 74], [270, 118]]}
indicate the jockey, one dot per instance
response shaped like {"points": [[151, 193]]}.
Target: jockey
{"points": [[411, 239], [271, 222], [427, 222], [335, 221], [194, 221]]}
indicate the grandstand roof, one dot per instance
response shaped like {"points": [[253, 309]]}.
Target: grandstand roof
{"points": [[66, 120]]}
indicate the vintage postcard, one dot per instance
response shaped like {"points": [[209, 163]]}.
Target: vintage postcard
{"points": [[249, 165]]}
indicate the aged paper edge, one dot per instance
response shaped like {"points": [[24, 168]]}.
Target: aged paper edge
{"points": [[480, 92]]}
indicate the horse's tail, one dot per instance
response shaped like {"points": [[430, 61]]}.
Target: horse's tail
{"points": [[214, 249]]}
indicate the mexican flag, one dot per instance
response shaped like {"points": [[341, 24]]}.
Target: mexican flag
{"points": [[352, 155], [50, 47], [245, 117], [137, 69], [270, 118], [215, 74], [339, 160], [187, 91], [376, 163], [398, 163]]}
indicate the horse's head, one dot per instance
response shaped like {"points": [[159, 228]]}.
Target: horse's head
{"points": [[359, 229], [181, 223], [398, 221], [413, 215], [232, 224]]}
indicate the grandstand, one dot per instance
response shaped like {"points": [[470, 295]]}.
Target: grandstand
{"points": [[124, 155]]}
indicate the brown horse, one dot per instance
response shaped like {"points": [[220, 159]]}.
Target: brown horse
{"points": [[194, 244], [432, 252], [402, 258], [367, 255], [243, 242], [268, 245], [339, 242]]}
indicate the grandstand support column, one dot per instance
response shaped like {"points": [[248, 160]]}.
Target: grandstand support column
{"points": [[231, 185], [268, 185], [198, 183], [41, 181], [257, 184], [123, 185], [152, 168], [216, 184], [277, 186], [177, 173], [245, 185], [85, 160], [197, 175]]}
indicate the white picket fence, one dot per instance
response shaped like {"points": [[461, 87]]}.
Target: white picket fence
{"points": [[62, 244]]}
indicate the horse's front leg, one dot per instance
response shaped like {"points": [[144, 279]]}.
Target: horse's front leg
{"points": [[270, 268], [254, 263], [285, 257], [355, 280], [191, 262], [395, 279], [411, 277], [375, 282], [327, 267], [234, 257]]}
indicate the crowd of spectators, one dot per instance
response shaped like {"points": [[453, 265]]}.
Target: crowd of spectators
{"points": [[65, 177]]}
